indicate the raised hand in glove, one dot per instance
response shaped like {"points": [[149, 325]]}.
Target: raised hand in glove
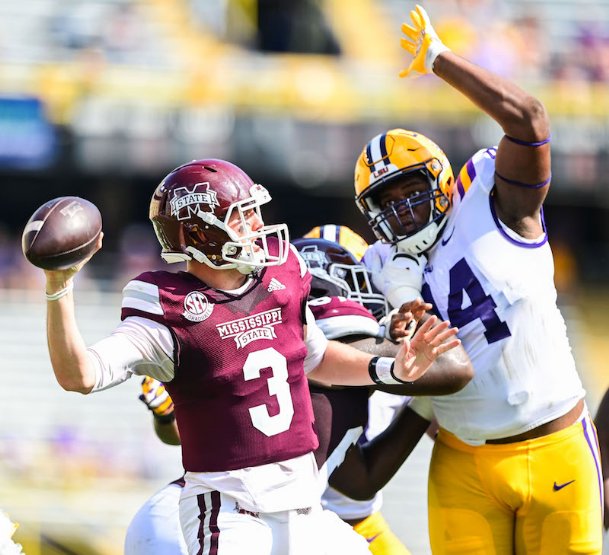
{"points": [[421, 42], [155, 397]]}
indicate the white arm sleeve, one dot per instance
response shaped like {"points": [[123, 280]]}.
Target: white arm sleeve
{"points": [[316, 343], [137, 346]]}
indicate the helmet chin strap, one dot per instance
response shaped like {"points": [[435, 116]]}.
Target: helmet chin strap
{"points": [[423, 240], [243, 267], [248, 266]]}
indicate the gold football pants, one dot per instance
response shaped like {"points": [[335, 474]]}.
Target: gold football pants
{"points": [[542, 496]]}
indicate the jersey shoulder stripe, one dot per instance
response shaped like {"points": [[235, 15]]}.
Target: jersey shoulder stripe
{"points": [[143, 296], [481, 165]]}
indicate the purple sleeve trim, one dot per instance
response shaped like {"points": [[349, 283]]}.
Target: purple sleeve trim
{"points": [[525, 185], [522, 244], [528, 143], [593, 445]]}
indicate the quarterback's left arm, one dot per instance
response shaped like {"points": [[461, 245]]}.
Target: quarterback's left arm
{"points": [[449, 373], [345, 365], [523, 156], [368, 467]]}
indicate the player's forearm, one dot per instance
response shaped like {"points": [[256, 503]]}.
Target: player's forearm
{"points": [[518, 113], [342, 365], [450, 373], [67, 349]]}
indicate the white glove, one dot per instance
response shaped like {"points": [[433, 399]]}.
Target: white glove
{"points": [[421, 42]]}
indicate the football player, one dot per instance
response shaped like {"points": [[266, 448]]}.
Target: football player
{"points": [[343, 292], [233, 342], [341, 414], [515, 465]]}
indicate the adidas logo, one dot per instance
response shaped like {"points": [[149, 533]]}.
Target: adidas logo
{"points": [[275, 285]]}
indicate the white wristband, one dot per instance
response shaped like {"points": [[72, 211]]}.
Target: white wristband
{"points": [[61, 293], [433, 51], [380, 370]]}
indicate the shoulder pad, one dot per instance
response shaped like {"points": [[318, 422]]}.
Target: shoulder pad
{"points": [[338, 317]]}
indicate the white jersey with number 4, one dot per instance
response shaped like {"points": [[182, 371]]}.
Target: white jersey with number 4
{"points": [[498, 289]]}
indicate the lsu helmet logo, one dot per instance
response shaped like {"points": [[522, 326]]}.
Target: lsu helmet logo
{"points": [[185, 203], [380, 172]]}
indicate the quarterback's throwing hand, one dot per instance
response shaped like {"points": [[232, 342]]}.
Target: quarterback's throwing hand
{"points": [[430, 341], [421, 42]]}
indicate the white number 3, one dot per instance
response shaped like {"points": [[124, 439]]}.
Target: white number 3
{"points": [[278, 385]]}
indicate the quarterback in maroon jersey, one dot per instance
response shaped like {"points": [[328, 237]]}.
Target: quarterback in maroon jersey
{"points": [[233, 340]]}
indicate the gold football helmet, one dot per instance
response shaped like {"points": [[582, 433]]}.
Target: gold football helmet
{"points": [[383, 161], [342, 235]]}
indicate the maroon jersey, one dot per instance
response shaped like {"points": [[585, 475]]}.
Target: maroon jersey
{"points": [[240, 391], [337, 411]]}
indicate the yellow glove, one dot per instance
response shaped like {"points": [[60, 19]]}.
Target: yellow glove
{"points": [[155, 397], [421, 42]]}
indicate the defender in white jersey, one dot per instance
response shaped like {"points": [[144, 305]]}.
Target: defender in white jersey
{"points": [[233, 342], [515, 468]]}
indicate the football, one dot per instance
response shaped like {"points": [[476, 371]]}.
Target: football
{"points": [[61, 233]]}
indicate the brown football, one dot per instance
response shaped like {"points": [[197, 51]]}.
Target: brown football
{"points": [[61, 233]]}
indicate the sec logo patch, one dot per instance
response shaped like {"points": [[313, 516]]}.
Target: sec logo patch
{"points": [[197, 307]]}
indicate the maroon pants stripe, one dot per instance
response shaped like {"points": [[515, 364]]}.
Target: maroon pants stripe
{"points": [[209, 502]]}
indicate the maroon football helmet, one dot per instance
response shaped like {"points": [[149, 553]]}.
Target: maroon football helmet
{"points": [[192, 206], [337, 273]]}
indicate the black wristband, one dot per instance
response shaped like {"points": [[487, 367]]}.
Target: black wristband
{"points": [[372, 371], [381, 371]]}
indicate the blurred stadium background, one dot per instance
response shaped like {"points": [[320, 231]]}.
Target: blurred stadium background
{"points": [[100, 98]]}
